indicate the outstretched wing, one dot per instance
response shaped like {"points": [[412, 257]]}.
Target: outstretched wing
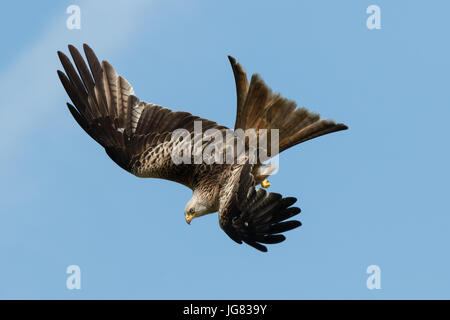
{"points": [[136, 135], [254, 216]]}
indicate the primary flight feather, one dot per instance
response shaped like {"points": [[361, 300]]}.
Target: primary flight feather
{"points": [[138, 136]]}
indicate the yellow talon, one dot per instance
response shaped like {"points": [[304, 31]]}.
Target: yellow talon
{"points": [[265, 183]]}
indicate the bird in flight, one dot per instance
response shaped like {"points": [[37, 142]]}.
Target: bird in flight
{"points": [[138, 136]]}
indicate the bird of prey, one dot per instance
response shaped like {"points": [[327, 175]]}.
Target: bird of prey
{"points": [[137, 136]]}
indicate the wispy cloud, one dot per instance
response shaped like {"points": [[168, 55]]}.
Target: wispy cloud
{"points": [[29, 85]]}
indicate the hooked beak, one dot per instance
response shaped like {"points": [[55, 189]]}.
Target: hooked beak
{"points": [[189, 218]]}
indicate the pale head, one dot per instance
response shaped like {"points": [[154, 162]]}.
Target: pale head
{"points": [[197, 206]]}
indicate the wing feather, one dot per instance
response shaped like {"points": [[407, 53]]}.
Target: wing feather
{"points": [[136, 135], [252, 215]]}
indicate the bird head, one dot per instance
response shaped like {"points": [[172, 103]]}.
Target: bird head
{"points": [[196, 207]]}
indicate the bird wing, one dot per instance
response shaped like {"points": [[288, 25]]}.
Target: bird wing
{"points": [[252, 215], [136, 135]]}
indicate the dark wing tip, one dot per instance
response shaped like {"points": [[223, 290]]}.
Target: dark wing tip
{"points": [[71, 48], [74, 52], [232, 60], [87, 48], [284, 226], [265, 221], [289, 201], [272, 239], [256, 245], [63, 58]]}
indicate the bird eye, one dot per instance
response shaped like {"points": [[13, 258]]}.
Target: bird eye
{"points": [[191, 210]]}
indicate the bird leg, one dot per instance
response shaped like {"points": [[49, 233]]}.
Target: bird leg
{"points": [[265, 184]]}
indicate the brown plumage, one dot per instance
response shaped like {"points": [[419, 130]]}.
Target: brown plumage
{"points": [[138, 137]]}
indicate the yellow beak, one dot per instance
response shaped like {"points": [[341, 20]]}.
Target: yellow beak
{"points": [[188, 218]]}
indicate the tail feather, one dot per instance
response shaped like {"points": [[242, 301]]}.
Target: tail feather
{"points": [[259, 108]]}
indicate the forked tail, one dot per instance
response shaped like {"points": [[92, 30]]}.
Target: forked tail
{"points": [[259, 108]]}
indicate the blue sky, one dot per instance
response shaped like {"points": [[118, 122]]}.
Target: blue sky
{"points": [[373, 195]]}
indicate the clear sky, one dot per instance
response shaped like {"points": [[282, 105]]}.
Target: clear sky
{"points": [[376, 194]]}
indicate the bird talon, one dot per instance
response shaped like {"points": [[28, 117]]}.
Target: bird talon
{"points": [[265, 183]]}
